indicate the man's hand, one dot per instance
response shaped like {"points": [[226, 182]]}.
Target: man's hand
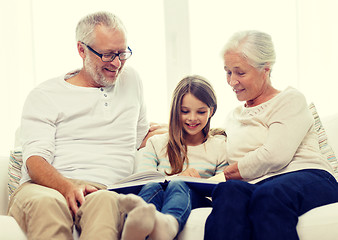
{"points": [[75, 194], [42, 173], [232, 172], [155, 128], [190, 172]]}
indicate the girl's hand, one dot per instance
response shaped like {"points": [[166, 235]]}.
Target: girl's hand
{"points": [[190, 172], [232, 172]]}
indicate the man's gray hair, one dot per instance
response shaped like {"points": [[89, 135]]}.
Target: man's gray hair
{"points": [[85, 27]]}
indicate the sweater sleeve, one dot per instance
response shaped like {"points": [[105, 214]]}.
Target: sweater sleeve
{"points": [[287, 122], [149, 160], [222, 161]]}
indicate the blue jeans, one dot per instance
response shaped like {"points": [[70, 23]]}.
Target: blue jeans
{"points": [[174, 198], [268, 209]]}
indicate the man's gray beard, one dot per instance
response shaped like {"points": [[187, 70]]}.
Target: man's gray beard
{"points": [[97, 76]]}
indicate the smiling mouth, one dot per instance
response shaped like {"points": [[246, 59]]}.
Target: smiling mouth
{"points": [[192, 125], [238, 90], [110, 70]]}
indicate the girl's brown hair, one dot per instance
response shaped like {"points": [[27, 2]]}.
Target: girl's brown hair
{"points": [[176, 148]]}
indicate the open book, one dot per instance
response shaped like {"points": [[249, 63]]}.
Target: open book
{"points": [[134, 182]]}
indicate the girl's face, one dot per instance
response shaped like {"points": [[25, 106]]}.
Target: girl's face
{"points": [[194, 117]]}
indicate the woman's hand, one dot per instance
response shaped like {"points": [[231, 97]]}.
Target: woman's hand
{"points": [[232, 172], [190, 172]]}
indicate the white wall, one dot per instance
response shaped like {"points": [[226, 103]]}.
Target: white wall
{"points": [[214, 21], [318, 53], [16, 66], [170, 39], [38, 43]]}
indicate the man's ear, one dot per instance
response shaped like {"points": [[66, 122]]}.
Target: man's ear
{"points": [[81, 50]]}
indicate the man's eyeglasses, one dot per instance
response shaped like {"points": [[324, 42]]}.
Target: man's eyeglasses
{"points": [[110, 57]]}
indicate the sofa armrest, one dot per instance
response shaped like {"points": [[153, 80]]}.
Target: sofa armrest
{"points": [[10, 230], [3, 184]]}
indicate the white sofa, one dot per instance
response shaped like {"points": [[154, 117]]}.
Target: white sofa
{"points": [[319, 223]]}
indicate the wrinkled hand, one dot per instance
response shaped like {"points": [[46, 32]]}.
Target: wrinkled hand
{"points": [[232, 172], [190, 172], [75, 195]]}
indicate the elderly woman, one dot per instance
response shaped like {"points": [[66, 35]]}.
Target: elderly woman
{"points": [[276, 170]]}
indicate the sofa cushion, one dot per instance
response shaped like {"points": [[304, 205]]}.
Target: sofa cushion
{"points": [[14, 170], [323, 141]]}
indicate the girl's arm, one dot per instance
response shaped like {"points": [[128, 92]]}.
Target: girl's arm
{"points": [[150, 155], [222, 161]]}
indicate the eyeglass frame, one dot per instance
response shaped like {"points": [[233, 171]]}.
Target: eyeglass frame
{"points": [[100, 55]]}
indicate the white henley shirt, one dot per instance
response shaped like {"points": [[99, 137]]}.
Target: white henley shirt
{"points": [[85, 133]]}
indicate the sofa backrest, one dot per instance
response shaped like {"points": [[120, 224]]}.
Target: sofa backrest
{"points": [[331, 127]]}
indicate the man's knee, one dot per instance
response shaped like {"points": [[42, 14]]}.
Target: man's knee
{"points": [[34, 205], [36, 197], [102, 197]]}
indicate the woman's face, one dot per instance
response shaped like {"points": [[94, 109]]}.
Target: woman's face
{"points": [[249, 84]]}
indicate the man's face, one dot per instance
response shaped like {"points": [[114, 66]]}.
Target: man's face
{"points": [[107, 41]]}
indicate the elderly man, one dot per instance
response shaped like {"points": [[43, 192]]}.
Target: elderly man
{"points": [[80, 132]]}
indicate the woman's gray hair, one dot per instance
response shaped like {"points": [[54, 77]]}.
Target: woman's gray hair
{"points": [[255, 46], [85, 27]]}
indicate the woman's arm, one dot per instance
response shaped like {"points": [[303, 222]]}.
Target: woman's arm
{"points": [[287, 124]]}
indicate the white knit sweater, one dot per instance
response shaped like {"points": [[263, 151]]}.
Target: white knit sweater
{"points": [[274, 137]]}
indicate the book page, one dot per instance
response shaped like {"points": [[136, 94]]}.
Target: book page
{"points": [[134, 182], [218, 177], [142, 176]]}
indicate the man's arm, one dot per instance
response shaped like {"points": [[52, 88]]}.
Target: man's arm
{"points": [[42, 173], [154, 129]]}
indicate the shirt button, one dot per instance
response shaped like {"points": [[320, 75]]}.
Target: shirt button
{"points": [[105, 95], [101, 89], [106, 104]]}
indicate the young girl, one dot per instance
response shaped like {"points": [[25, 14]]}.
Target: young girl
{"points": [[187, 149]]}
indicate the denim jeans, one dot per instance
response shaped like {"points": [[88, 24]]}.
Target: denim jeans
{"points": [[268, 209], [174, 198]]}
